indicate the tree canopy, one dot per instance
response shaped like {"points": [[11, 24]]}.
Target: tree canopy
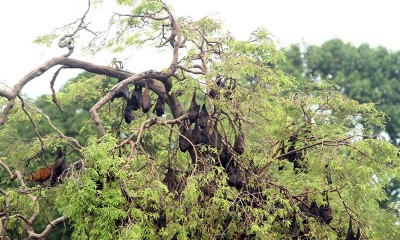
{"points": [[219, 144], [363, 73]]}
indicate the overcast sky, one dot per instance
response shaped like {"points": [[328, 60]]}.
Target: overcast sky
{"points": [[290, 21]]}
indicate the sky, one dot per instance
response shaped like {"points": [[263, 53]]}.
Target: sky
{"points": [[289, 21]]}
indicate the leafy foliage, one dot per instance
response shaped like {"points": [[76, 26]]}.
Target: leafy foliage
{"points": [[363, 73], [279, 161]]}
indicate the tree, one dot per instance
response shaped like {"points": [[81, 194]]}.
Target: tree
{"points": [[363, 73], [239, 151]]}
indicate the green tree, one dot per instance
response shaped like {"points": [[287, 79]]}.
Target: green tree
{"points": [[239, 152], [363, 73]]}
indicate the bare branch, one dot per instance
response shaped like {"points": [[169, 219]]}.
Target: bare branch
{"points": [[60, 134], [34, 126], [53, 92], [189, 70]]}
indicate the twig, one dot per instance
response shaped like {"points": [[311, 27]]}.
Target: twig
{"points": [[60, 134], [40, 153], [53, 92]]}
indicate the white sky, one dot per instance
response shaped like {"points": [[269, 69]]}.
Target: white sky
{"points": [[290, 21]]}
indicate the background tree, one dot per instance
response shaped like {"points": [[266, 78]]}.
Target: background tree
{"points": [[363, 73], [238, 151]]}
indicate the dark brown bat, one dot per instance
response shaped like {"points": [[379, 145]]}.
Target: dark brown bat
{"points": [[136, 98], [196, 136], [225, 157], [216, 139], [204, 135], [203, 116], [146, 100], [325, 212], [350, 232], [184, 144], [128, 114], [239, 144], [159, 107], [122, 92], [194, 108]]}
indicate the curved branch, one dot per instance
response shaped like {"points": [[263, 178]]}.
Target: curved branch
{"points": [[6, 110], [49, 228], [53, 92], [60, 134]]}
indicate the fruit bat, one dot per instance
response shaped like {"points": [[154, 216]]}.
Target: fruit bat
{"points": [[146, 100], [294, 227], [159, 107], [213, 93], [136, 98], [122, 92], [225, 157], [314, 210], [325, 212], [203, 116], [128, 114], [204, 135], [216, 139], [59, 166], [184, 144], [196, 136], [235, 178], [53, 172], [41, 175], [350, 232], [292, 140], [239, 144], [193, 111]]}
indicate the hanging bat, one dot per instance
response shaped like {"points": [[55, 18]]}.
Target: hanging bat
{"points": [[59, 166], [239, 144], [184, 144], [128, 114], [216, 139], [325, 212], [193, 111], [159, 107], [53, 172], [196, 136], [136, 98], [146, 100], [122, 92], [225, 157], [203, 116], [350, 232], [235, 178], [204, 135]]}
